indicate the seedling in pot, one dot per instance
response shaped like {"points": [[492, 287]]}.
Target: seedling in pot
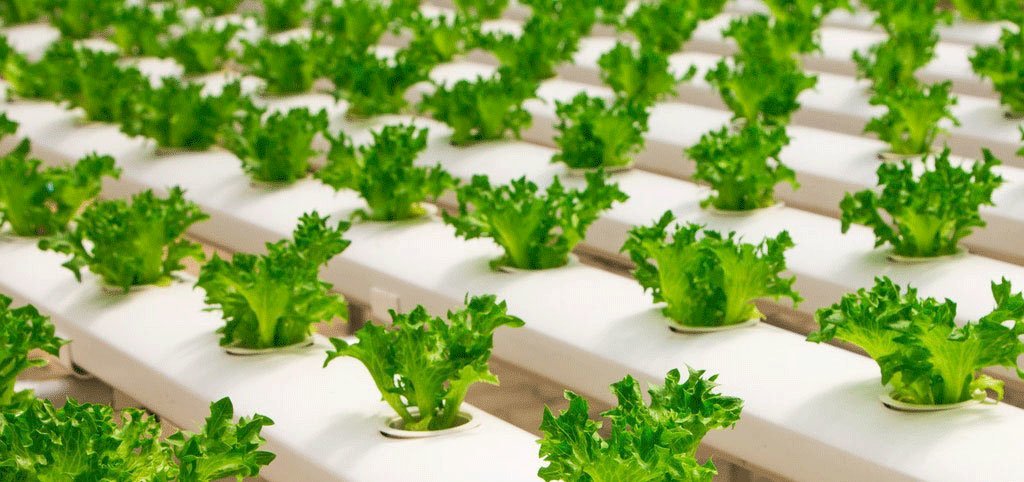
{"points": [[385, 174], [536, 230], [424, 365], [639, 76], [288, 67], [914, 116], [131, 243], [707, 279], [927, 360], [276, 147], [927, 214], [483, 109], [593, 133], [375, 85], [654, 441], [275, 299]]}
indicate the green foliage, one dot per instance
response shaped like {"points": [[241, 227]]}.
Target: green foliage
{"points": [[483, 109], [925, 358], [384, 173], [592, 133], [742, 167], [287, 67], [13, 12], [761, 92], [356, 25], [276, 147], [41, 202], [483, 9], [281, 15], [711, 280], [912, 120], [101, 87], [44, 79], [141, 30], [925, 214], [987, 10], [639, 76], [22, 330], [797, 22], [910, 45], [214, 7], [273, 300], [86, 442], [533, 53], [665, 26], [649, 442], [78, 19], [439, 38], [1003, 64], [536, 231], [180, 115], [129, 244], [581, 14], [203, 48], [424, 366], [375, 85]]}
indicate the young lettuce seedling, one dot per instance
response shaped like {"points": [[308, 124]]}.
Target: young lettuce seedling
{"points": [[913, 35], [384, 173], [760, 92], [423, 365], [533, 53], [179, 115], [281, 15], [141, 30], [87, 442], [593, 133], [639, 76], [41, 202], [913, 117], [582, 14], [356, 25], [44, 79], [798, 21], [666, 25], [276, 147], [273, 300], [482, 9], [649, 442], [376, 85], [925, 358], [484, 109], [13, 12], [203, 48], [439, 38], [742, 167], [1003, 64], [286, 67], [537, 231], [131, 244], [78, 19], [987, 10], [214, 7], [22, 331], [928, 214], [710, 280], [101, 87]]}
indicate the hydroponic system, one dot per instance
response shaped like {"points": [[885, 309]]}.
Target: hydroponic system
{"points": [[282, 239]]}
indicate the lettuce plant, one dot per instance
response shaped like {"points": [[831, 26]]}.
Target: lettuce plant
{"points": [[281, 15], [273, 300], [131, 243], [356, 25], [286, 67], [654, 441], [706, 278], [43, 79], [483, 9], [179, 115], [214, 7], [141, 30], [424, 365], [925, 214], [483, 109], [593, 133], [384, 173], [101, 87], [1003, 64], [666, 26], [763, 92], [87, 442], [742, 167], [925, 358], [797, 22], [533, 53], [536, 231], [986, 10], [910, 45], [78, 19], [13, 12], [276, 147], [439, 38], [375, 85], [639, 76], [913, 117], [38, 201], [203, 48], [22, 331], [580, 14]]}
